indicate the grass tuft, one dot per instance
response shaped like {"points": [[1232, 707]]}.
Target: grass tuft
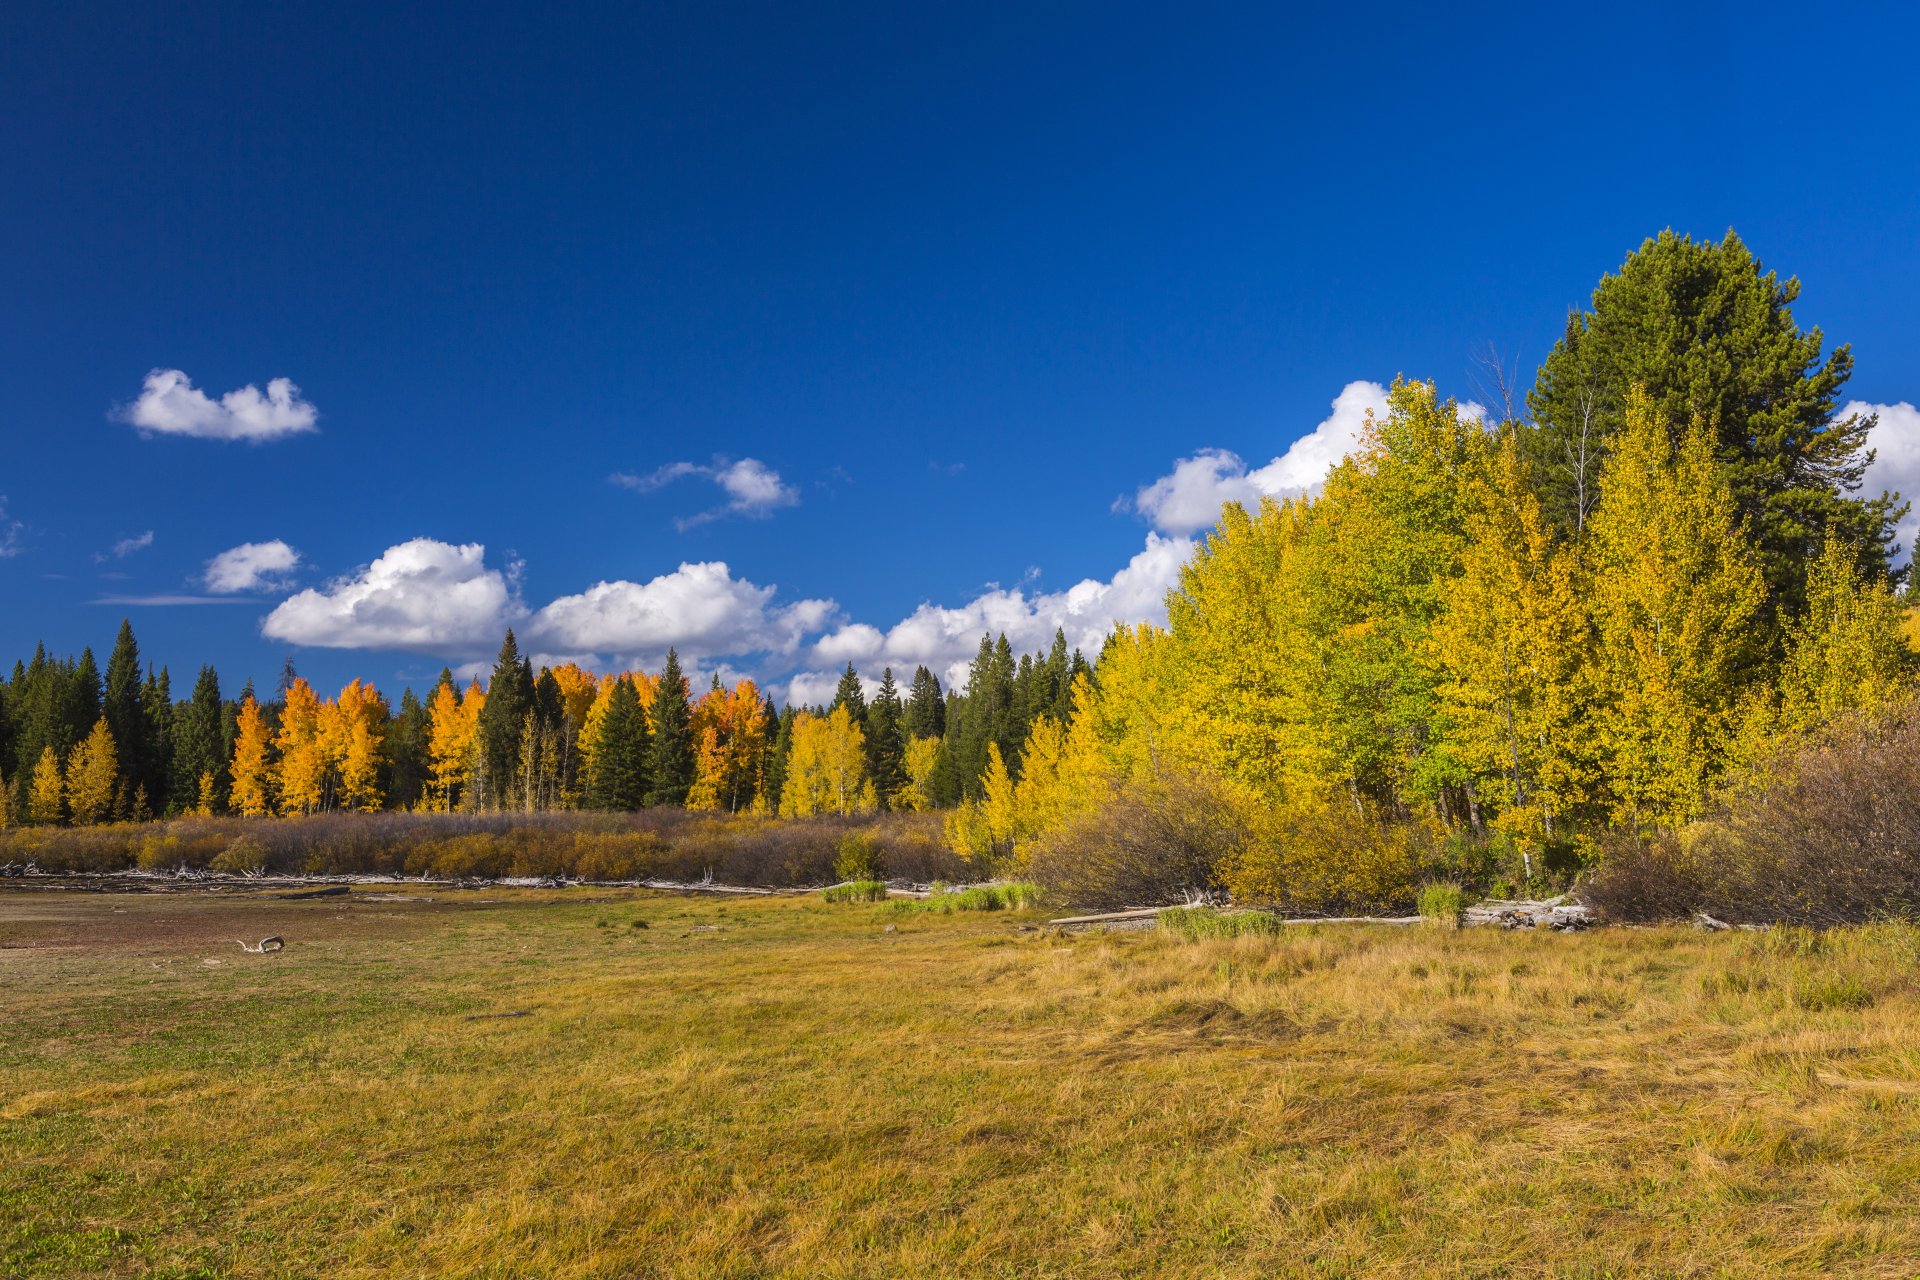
{"points": [[1443, 903], [1195, 923], [858, 891], [1017, 896]]}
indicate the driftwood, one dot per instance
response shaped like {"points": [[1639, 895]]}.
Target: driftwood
{"points": [[267, 945]]}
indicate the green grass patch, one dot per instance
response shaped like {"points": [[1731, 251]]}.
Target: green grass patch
{"points": [[1443, 903], [1195, 923], [857, 891], [1017, 896]]}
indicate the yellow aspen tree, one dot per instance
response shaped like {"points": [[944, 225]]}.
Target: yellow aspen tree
{"points": [[1848, 651], [743, 731], [252, 793], [46, 796], [359, 737], [303, 752], [590, 722], [1677, 596], [1514, 644], [919, 758], [827, 767], [452, 735], [709, 769], [209, 793], [92, 771]]}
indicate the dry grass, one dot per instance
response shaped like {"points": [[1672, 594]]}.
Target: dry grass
{"points": [[779, 1087]]}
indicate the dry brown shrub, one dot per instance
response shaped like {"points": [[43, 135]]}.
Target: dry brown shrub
{"points": [[1148, 844]]}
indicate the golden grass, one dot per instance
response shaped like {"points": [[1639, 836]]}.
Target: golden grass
{"points": [[782, 1087]]}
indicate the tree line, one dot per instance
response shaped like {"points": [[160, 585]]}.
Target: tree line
{"points": [[80, 748]]}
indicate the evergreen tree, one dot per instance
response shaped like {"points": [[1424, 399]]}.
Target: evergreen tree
{"points": [[124, 714], [926, 708], [852, 696], [156, 724], [407, 765], [1710, 336], [779, 750], [80, 701], [509, 698], [618, 777], [886, 749], [200, 746], [670, 758]]}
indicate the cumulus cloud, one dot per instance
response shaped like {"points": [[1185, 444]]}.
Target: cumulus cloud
{"points": [[251, 566], [1188, 498], [945, 639], [423, 596], [753, 489], [700, 609], [169, 404], [1895, 441]]}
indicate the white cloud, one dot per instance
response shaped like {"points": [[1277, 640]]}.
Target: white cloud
{"points": [[424, 595], [1188, 498], [944, 640], [700, 609], [127, 546], [1895, 441], [10, 532], [170, 404], [251, 566], [753, 489]]}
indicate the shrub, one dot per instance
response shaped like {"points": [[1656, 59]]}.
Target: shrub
{"points": [[1828, 835], [243, 856], [857, 891], [1149, 843], [1330, 859], [1443, 902], [859, 857], [1195, 923]]}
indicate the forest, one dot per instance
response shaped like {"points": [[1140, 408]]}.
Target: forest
{"points": [[1611, 632]]}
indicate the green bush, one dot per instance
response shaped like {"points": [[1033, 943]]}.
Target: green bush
{"points": [[1443, 903], [1195, 923], [859, 857], [857, 891]]}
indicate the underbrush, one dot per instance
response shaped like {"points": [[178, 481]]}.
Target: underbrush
{"points": [[980, 897], [1825, 834], [655, 844]]}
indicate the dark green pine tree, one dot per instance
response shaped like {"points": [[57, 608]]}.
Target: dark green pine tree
{"points": [[6, 723], [779, 747], [121, 707], [1059, 679], [618, 780], [886, 750], [670, 759], [1711, 336], [80, 701], [926, 707], [200, 744], [850, 695], [407, 762], [1029, 700], [156, 723], [509, 698]]}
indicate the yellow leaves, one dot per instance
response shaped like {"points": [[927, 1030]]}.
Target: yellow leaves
{"points": [[827, 767], [252, 795], [453, 728], [91, 773], [46, 796], [920, 757], [330, 751], [730, 758]]}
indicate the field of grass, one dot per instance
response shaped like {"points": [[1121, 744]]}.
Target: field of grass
{"points": [[529, 1084]]}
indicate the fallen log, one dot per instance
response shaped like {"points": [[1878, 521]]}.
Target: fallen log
{"points": [[331, 891], [267, 945]]}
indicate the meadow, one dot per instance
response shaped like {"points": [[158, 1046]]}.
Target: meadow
{"points": [[616, 1083]]}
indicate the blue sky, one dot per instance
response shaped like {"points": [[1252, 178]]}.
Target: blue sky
{"points": [[915, 321]]}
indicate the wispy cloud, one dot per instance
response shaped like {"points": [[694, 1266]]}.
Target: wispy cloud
{"points": [[169, 600], [11, 532], [169, 404], [127, 546], [753, 489]]}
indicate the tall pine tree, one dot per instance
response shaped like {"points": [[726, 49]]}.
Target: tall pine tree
{"points": [[670, 757]]}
